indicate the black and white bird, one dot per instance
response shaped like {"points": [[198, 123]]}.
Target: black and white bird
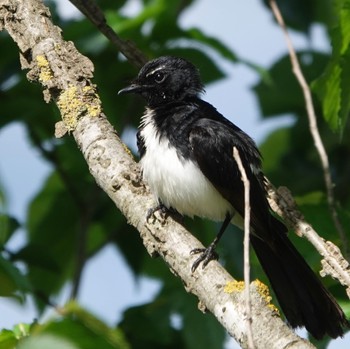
{"points": [[186, 150]]}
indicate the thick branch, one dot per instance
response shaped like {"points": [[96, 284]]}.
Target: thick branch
{"points": [[65, 77]]}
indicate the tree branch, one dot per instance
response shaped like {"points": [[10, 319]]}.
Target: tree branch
{"points": [[65, 77], [93, 12], [333, 263]]}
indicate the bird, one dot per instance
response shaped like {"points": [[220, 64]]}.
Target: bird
{"points": [[186, 156]]}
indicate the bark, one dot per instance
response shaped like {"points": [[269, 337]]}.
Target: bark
{"points": [[65, 77]]}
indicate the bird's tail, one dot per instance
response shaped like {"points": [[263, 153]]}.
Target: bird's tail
{"points": [[302, 297]]}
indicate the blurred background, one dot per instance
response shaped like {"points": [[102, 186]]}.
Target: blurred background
{"points": [[60, 235]]}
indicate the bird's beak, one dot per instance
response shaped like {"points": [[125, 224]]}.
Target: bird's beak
{"points": [[133, 88]]}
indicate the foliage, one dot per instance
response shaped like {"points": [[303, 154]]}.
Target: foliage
{"points": [[71, 211], [333, 86], [75, 328]]}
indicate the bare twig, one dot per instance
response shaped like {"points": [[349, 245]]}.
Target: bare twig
{"points": [[313, 125], [246, 183]]}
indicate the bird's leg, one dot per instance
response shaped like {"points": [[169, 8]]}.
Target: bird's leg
{"points": [[208, 254]]}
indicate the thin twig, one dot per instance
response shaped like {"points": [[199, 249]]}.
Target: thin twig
{"points": [[246, 184], [93, 12], [313, 125]]}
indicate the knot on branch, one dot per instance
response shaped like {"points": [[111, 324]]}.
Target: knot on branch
{"points": [[283, 203], [328, 267]]}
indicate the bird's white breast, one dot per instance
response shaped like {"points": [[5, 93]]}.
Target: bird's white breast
{"points": [[178, 182]]}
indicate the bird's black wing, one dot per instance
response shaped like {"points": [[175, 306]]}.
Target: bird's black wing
{"points": [[212, 141]]}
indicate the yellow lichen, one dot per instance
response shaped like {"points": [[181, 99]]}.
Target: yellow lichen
{"points": [[44, 67], [94, 103], [71, 106], [262, 289], [94, 110], [264, 292], [127, 150], [234, 286], [74, 103], [88, 89]]}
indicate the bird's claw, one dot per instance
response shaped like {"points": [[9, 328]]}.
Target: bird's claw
{"points": [[160, 207], [164, 212], [206, 255]]}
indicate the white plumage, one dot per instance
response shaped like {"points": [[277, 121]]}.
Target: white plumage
{"points": [[179, 183]]}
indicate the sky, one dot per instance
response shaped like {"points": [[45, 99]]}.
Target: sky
{"points": [[236, 26]]}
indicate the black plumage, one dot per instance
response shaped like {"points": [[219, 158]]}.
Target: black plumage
{"points": [[186, 149]]}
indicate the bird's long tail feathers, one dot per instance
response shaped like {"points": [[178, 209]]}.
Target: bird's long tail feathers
{"points": [[302, 297]]}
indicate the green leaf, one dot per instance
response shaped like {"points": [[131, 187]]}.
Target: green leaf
{"points": [[274, 154], [108, 337], [8, 339], [8, 225], [12, 280], [130, 245], [212, 42], [36, 256], [281, 93], [291, 163], [333, 87], [22, 330], [148, 326], [45, 341], [302, 14], [52, 225], [76, 329], [200, 330], [122, 24]]}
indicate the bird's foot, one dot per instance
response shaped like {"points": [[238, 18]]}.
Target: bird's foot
{"points": [[206, 255], [164, 212], [160, 207]]}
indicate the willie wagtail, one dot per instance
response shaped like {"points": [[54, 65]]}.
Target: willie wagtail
{"points": [[186, 150]]}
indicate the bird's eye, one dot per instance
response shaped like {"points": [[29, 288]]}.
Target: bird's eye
{"points": [[159, 77]]}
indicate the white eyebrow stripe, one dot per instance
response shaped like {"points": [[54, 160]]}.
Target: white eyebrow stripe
{"points": [[155, 70]]}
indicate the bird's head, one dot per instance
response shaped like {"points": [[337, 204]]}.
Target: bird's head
{"points": [[164, 80]]}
